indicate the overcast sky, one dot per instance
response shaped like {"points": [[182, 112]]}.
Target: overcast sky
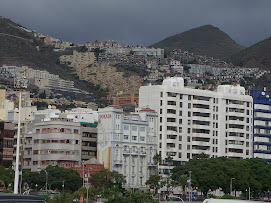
{"points": [[140, 22]]}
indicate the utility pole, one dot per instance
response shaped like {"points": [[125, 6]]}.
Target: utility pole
{"points": [[190, 192], [231, 185], [16, 178]]}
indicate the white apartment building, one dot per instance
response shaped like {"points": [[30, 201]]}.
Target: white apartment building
{"points": [[50, 142], [143, 51], [127, 143], [193, 121], [176, 66]]}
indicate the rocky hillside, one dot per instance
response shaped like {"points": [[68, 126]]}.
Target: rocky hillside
{"points": [[205, 40], [19, 47], [258, 55]]}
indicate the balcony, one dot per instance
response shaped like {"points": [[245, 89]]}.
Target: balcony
{"points": [[118, 162]]}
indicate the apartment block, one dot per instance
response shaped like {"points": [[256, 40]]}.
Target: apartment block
{"points": [[7, 133], [127, 143], [51, 142], [262, 122], [191, 121]]}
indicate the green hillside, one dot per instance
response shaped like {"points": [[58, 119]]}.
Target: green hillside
{"points": [[258, 55], [205, 40]]}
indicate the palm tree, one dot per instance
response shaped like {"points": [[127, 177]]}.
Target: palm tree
{"points": [[157, 158], [168, 160]]}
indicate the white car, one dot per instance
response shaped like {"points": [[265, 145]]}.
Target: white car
{"points": [[227, 201]]}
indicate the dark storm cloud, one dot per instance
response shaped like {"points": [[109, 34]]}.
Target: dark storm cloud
{"points": [[141, 22]]}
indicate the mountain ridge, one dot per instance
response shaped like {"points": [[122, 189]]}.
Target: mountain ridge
{"points": [[204, 40], [257, 55]]}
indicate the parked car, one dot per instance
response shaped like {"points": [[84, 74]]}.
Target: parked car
{"points": [[12, 198]]}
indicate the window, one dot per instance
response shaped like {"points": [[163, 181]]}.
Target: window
{"points": [[171, 103], [180, 146], [62, 130], [161, 94], [188, 155], [180, 138], [189, 105], [188, 147], [180, 155], [134, 137], [126, 137], [126, 127], [134, 128], [181, 104], [67, 141], [189, 97], [188, 138], [37, 131], [142, 138], [180, 113], [189, 113], [142, 129]]}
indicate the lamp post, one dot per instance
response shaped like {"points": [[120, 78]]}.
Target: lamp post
{"points": [[190, 193], [231, 185], [83, 173], [16, 178], [46, 179]]}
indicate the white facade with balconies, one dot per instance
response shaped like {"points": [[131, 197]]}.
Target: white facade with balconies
{"points": [[193, 121], [127, 143]]}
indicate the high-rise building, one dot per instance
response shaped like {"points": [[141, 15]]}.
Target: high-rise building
{"points": [[262, 121], [127, 143], [193, 121]]}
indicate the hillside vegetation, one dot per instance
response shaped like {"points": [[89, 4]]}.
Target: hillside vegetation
{"points": [[205, 40], [258, 55]]}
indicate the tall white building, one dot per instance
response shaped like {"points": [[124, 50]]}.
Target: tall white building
{"points": [[127, 143], [193, 121]]}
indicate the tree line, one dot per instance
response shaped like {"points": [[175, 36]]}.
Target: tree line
{"points": [[211, 174]]}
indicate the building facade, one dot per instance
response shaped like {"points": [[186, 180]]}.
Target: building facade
{"points": [[7, 133], [193, 121], [262, 128], [127, 144], [49, 142]]}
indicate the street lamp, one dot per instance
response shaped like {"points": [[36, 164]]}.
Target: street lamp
{"points": [[46, 179], [231, 184]]}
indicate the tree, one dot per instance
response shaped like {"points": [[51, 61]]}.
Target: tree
{"points": [[6, 176], [56, 176], [179, 181], [156, 182], [168, 160], [157, 158], [107, 179]]}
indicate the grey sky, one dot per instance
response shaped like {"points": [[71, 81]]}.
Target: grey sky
{"points": [[140, 22]]}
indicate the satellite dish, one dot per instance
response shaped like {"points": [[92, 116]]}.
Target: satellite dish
{"points": [[267, 96], [263, 93], [49, 107]]}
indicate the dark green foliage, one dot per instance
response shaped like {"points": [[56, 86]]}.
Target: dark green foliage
{"points": [[214, 173], [71, 178]]}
